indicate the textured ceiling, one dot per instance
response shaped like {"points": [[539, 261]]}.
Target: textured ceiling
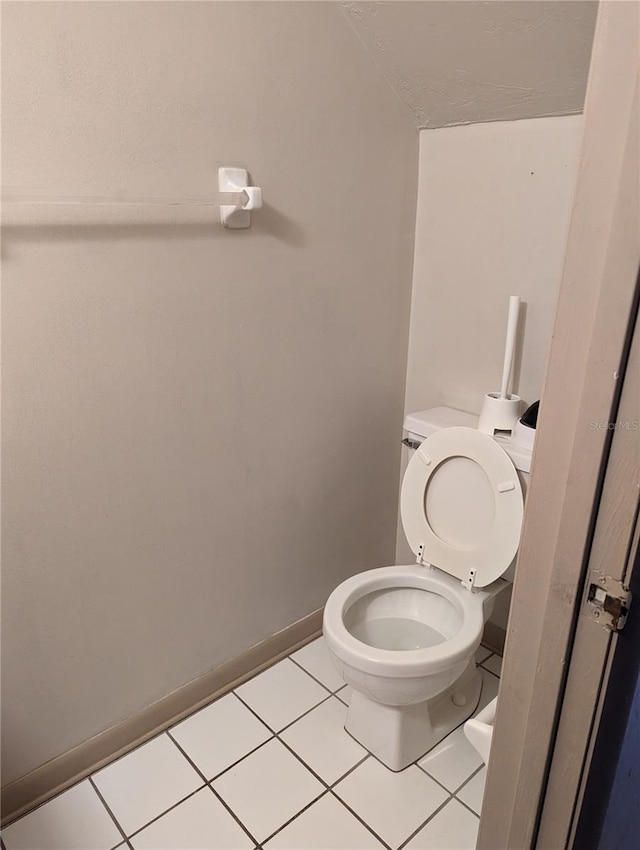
{"points": [[466, 61]]}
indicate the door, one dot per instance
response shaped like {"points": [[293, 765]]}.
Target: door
{"points": [[557, 662]]}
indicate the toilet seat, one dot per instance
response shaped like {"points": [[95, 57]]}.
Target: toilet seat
{"points": [[471, 529]]}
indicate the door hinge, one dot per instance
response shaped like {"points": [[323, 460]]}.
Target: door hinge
{"points": [[608, 601]]}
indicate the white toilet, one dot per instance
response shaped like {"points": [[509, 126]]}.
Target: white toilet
{"points": [[404, 637]]}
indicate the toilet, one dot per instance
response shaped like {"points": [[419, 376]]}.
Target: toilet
{"points": [[404, 637]]}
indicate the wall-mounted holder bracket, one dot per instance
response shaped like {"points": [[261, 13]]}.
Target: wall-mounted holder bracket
{"points": [[237, 180]]}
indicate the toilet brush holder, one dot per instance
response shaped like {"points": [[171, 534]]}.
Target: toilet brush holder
{"points": [[499, 414], [501, 411]]}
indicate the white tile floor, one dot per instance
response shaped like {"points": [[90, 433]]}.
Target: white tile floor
{"points": [[270, 766]]}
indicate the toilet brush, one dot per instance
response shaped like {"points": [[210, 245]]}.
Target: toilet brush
{"points": [[500, 411]]}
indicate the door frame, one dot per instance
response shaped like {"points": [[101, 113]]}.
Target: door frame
{"points": [[590, 339], [613, 552]]}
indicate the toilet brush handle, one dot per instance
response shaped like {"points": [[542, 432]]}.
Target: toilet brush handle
{"points": [[512, 327]]}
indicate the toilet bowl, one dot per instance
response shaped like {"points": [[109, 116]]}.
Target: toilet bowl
{"points": [[404, 637]]}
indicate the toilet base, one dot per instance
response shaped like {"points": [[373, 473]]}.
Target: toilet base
{"points": [[399, 735]]}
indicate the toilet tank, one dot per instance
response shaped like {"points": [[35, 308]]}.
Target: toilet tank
{"points": [[419, 426]]}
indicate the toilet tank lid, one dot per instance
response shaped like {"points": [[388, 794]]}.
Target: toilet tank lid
{"points": [[424, 423], [427, 422]]}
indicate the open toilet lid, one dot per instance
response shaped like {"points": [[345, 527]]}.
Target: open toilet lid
{"points": [[461, 505]]}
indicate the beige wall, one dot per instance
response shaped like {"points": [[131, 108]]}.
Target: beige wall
{"points": [[492, 219], [200, 426]]}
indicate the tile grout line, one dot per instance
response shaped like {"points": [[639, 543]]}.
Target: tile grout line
{"points": [[224, 803], [464, 784], [351, 770], [326, 785], [459, 787], [452, 796], [469, 778], [108, 808], [284, 728], [330, 788], [276, 735], [488, 658], [337, 696], [217, 776], [346, 805], [212, 789], [442, 785], [357, 817], [482, 663], [238, 761], [166, 811], [415, 763], [467, 806], [315, 679], [297, 815], [437, 781], [422, 825], [208, 783], [495, 675], [322, 702]]}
